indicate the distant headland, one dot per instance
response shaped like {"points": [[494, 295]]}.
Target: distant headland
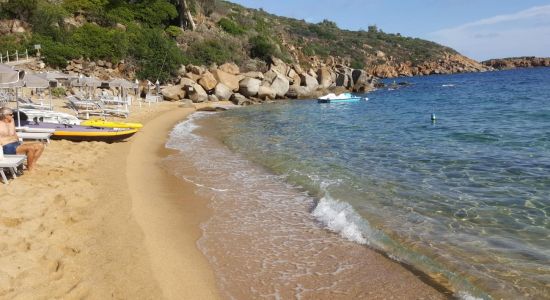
{"points": [[517, 62]]}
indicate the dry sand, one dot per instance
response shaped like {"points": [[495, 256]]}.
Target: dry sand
{"points": [[100, 221]]}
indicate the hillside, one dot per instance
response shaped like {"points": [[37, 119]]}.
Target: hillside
{"points": [[517, 62], [146, 36]]}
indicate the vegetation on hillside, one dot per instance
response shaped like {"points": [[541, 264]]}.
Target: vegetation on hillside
{"points": [[150, 35]]}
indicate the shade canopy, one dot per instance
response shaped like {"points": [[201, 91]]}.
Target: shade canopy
{"points": [[122, 83], [9, 77], [86, 82], [37, 82]]}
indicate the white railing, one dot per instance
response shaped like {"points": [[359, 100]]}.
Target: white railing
{"points": [[14, 56]]}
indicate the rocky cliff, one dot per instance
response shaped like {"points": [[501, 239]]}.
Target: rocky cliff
{"points": [[517, 62]]}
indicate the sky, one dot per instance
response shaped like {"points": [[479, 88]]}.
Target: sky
{"points": [[480, 29]]}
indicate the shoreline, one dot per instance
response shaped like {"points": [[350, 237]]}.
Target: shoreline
{"points": [[171, 227], [112, 240]]}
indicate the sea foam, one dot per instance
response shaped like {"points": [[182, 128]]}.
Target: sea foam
{"points": [[340, 217]]}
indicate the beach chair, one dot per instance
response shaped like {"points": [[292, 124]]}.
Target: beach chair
{"points": [[84, 108], [28, 103], [150, 98], [11, 163], [115, 111], [37, 136]]}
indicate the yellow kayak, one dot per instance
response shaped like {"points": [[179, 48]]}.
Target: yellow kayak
{"points": [[109, 124]]}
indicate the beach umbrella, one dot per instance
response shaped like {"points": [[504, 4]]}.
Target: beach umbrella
{"points": [[37, 82], [11, 78], [88, 82], [122, 84]]}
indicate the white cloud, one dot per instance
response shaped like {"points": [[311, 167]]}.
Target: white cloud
{"points": [[525, 33]]}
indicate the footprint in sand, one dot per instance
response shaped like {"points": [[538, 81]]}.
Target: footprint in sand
{"points": [[11, 222]]}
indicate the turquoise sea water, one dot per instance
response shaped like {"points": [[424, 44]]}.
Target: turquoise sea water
{"points": [[465, 199]]}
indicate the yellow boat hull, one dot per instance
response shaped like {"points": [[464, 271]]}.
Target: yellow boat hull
{"points": [[109, 124]]}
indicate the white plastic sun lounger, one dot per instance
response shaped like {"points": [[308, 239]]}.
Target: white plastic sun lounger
{"points": [[38, 136], [11, 162]]}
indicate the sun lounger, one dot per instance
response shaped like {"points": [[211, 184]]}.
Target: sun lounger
{"points": [[84, 108], [152, 98], [38, 136], [35, 130], [28, 103], [11, 163], [115, 111]]}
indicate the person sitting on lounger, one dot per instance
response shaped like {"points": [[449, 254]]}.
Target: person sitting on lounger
{"points": [[10, 141]]}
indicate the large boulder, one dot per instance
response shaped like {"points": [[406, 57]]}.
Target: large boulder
{"points": [[222, 91], [229, 80], [213, 98], [294, 77], [230, 68], [324, 77], [192, 76], [342, 80], [207, 81], [195, 69], [196, 93], [239, 99], [254, 74], [362, 81], [173, 92], [186, 81], [278, 66], [249, 87], [269, 76], [301, 92], [266, 92], [280, 85], [309, 82]]}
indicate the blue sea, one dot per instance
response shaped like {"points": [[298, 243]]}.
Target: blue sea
{"points": [[463, 199]]}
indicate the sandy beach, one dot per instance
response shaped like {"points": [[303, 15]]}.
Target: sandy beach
{"points": [[99, 221], [83, 224]]}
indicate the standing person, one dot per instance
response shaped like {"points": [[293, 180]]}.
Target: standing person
{"points": [[10, 141]]}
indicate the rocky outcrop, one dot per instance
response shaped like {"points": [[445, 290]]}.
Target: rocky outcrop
{"points": [[447, 64], [517, 62], [199, 84], [266, 92], [207, 81], [13, 26], [230, 68], [229, 80], [249, 87], [173, 93], [222, 91]]}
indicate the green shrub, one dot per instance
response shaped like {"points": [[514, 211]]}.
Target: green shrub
{"points": [[91, 6], [261, 47], [212, 51], [173, 31], [11, 43], [54, 53], [357, 63], [58, 92], [48, 19], [121, 14], [316, 49], [157, 56], [155, 13], [95, 42], [18, 9], [231, 27]]}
